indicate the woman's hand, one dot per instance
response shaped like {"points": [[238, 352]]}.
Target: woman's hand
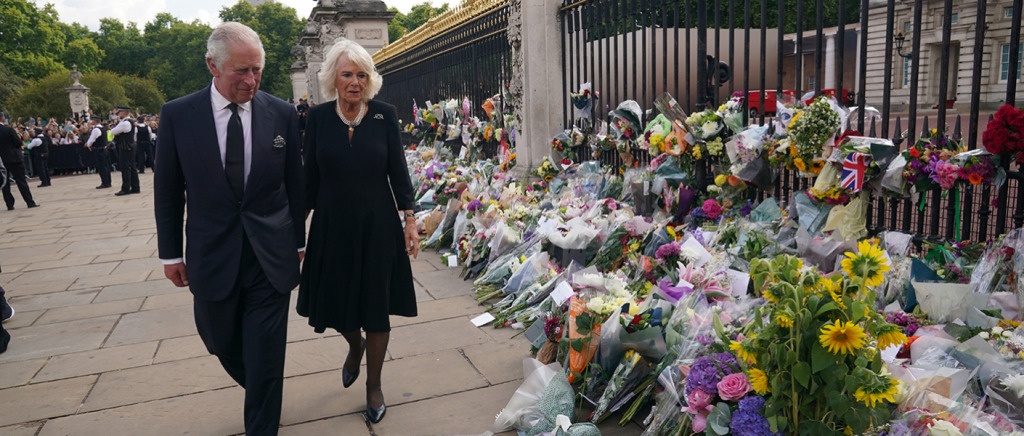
{"points": [[412, 238]]}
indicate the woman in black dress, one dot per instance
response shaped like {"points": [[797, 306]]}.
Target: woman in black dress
{"points": [[356, 272]]}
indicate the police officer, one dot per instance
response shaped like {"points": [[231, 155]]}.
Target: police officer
{"points": [[98, 143], [124, 140], [39, 148], [144, 143], [11, 155]]}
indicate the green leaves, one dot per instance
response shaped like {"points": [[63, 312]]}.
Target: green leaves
{"points": [[821, 358], [802, 373], [718, 420]]}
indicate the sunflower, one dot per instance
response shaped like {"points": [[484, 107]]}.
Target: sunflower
{"points": [[743, 352], [834, 291], [889, 335], [817, 166], [758, 381], [549, 178], [770, 296], [784, 321], [799, 164], [868, 265], [876, 392], [842, 338]]}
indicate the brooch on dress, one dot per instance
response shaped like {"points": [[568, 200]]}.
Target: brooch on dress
{"points": [[278, 142], [378, 116]]}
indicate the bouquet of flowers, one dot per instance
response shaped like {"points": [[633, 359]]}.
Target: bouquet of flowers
{"points": [[812, 348], [928, 163], [705, 125], [583, 104], [562, 145], [979, 167], [1005, 133], [732, 111], [809, 131], [546, 170]]}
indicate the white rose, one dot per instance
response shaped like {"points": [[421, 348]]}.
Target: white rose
{"points": [[710, 128], [943, 428], [983, 335], [1015, 383], [997, 330], [1007, 334]]}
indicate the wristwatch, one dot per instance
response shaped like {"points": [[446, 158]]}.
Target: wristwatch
{"points": [[410, 215]]}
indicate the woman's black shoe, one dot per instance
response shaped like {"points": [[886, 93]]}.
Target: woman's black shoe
{"points": [[348, 378], [375, 415]]}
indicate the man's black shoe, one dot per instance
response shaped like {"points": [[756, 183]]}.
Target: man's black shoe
{"points": [[43, 185], [135, 191], [119, 193], [10, 207], [33, 205], [102, 186]]}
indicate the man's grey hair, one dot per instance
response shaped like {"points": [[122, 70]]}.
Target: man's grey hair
{"points": [[358, 55], [228, 34]]}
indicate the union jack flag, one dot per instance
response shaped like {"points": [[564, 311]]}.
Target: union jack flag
{"points": [[415, 113], [854, 167]]}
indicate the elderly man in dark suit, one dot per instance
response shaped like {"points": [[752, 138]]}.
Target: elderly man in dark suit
{"points": [[229, 153]]}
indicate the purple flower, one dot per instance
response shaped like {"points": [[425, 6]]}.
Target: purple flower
{"points": [[897, 429], [671, 293], [747, 419], [708, 370], [746, 209], [474, 205], [668, 250]]}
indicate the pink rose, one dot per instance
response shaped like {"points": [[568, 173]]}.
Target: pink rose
{"points": [[700, 422], [698, 401], [733, 387]]}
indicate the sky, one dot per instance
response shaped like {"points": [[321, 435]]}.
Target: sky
{"points": [[89, 12]]}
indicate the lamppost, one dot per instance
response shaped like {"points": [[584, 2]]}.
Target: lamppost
{"points": [[899, 39]]}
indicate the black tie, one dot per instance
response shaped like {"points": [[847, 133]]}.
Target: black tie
{"points": [[234, 158]]}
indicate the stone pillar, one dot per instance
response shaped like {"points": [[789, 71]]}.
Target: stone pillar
{"points": [[78, 93], [829, 81], [297, 72], [537, 70]]}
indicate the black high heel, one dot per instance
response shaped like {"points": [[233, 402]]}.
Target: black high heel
{"points": [[375, 415], [348, 378]]}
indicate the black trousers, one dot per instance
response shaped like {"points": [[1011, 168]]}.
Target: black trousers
{"points": [[102, 165], [16, 176], [247, 331], [43, 168], [145, 156], [126, 165]]}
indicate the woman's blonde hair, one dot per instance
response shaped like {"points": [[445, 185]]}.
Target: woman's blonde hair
{"points": [[358, 55]]}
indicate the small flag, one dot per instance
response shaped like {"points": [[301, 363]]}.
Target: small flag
{"points": [[415, 113], [854, 167]]}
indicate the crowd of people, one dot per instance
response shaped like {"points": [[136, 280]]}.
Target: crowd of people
{"points": [[29, 143]]}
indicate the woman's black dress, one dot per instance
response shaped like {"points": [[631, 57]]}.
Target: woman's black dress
{"points": [[356, 271]]}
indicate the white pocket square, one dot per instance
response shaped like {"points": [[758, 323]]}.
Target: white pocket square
{"points": [[378, 116], [278, 142]]}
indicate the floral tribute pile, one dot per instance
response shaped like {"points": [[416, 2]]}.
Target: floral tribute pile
{"points": [[656, 294]]}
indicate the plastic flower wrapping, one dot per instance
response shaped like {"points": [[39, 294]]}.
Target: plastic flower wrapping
{"points": [[657, 296]]}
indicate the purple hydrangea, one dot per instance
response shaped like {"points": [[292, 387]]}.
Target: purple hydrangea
{"points": [[746, 209], [708, 370], [474, 205], [747, 419], [668, 250], [898, 428]]}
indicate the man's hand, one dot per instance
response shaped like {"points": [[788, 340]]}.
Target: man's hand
{"points": [[176, 273]]}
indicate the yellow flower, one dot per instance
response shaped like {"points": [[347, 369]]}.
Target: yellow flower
{"points": [[784, 321], [549, 178], [842, 338], [770, 296], [671, 232], [758, 381], [890, 335], [799, 164], [817, 166], [868, 265], [696, 153], [792, 122], [881, 391], [743, 353], [721, 179]]}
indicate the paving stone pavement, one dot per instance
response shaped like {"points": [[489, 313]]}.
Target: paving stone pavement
{"points": [[103, 344]]}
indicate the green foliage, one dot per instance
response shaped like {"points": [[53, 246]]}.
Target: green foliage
{"points": [[10, 85], [83, 53], [417, 16], [44, 97], [125, 48], [105, 92], [143, 94], [278, 27], [181, 67], [30, 39]]}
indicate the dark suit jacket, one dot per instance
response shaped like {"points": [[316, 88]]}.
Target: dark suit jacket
{"points": [[189, 171], [10, 145]]}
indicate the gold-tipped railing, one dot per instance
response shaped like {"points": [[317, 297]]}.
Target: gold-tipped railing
{"points": [[436, 26]]}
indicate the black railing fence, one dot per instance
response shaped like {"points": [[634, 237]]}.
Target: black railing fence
{"points": [[702, 51], [924, 64], [470, 60]]}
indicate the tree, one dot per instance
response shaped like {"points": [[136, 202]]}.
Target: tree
{"points": [[105, 91], [125, 48], [84, 53], [44, 97], [143, 94], [10, 85], [278, 27], [180, 69], [30, 40], [417, 16]]}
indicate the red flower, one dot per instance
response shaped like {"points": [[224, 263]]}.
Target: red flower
{"points": [[915, 153]]}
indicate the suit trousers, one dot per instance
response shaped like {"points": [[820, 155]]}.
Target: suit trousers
{"points": [[42, 163], [247, 331], [144, 155], [126, 165], [16, 176], [102, 165]]}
